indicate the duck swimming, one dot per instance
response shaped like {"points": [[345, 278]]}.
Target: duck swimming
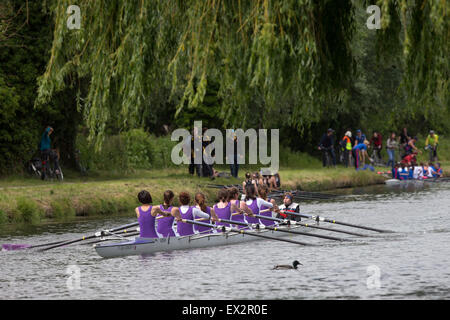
{"points": [[286, 266]]}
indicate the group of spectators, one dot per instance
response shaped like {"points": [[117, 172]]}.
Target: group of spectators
{"points": [[204, 169], [356, 148]]}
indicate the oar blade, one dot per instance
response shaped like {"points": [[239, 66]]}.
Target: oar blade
{"points": [[12, 247]]}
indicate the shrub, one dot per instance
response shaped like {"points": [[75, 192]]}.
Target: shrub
{"points": [[28, 210], [3, 217], [138, 149], [62, 208]]}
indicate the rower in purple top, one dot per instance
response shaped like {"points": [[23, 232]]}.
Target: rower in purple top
{"points": [[146, 215], [189, 213], [265, 210], [200, 201], [238, 208], [223, 207], [166, 224], [254, 204]]}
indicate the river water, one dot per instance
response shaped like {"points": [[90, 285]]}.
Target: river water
{"points": [[413, 263]]}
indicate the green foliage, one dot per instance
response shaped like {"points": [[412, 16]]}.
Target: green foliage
{"points": [[3, 217], [424, 35], [138, 148], [263, 56], [62, 208], [135, 149], [29, 211], [292, 159], [24, 51]]}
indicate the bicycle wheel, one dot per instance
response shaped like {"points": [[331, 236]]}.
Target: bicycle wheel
{"points": [[59, 174], [328, 159]]}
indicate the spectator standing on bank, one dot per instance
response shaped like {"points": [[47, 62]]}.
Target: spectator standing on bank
{"points": [[404, 138], [360, 137], [346, 145], [391, 146], [327, 145], [376, 143], [432, 142]]}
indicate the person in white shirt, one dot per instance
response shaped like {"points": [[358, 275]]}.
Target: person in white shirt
{"points": [[418, 172]]}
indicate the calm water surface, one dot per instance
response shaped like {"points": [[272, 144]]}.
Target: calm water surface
{"points": [[412, 263]]}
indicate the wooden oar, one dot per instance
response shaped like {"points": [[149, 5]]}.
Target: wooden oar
{"points": [[262, 226], [322, 219], [96, 235], [245, 232]]}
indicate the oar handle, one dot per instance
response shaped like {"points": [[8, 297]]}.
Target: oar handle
{"points": [[238, 213], [268, 218]]}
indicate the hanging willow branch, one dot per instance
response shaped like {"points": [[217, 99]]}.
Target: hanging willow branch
{"points": [[265, 55]]}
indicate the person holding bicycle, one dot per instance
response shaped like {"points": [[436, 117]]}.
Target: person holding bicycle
{"points": [[431, 144], [376, 143], [47, 153], [327, 147]]}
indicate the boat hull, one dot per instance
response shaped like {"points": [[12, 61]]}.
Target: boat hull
{"points": [[146, 246]]}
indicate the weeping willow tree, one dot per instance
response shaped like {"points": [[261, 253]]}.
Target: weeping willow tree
{"points": [[266, 57], [422, 26]]}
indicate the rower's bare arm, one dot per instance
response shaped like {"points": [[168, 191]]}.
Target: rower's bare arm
{"points": [[176, 213], [235, 208], [137, 212], [214, 216], [275, 206], [157, 210], [246, 209]]}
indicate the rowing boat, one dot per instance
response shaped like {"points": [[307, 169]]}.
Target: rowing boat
{"points": [[146, 246], [417, 182]]}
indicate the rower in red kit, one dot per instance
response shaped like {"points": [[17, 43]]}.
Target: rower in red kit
{"points": [[289, 206]]}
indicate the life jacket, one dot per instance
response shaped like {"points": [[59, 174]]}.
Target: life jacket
{"points": [[403, 174], [291, 208]]}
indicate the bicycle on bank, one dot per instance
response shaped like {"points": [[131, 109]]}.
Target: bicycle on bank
{"points": [[50, 166], [375, 159], [342, 159], [328, 159], [432, 155]]}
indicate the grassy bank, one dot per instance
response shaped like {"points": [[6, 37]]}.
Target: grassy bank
{"points": [[27, 200]]}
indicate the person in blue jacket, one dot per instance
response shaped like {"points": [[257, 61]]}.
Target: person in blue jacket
{"points": [[360, 150], [47, 153], [360, 137]]}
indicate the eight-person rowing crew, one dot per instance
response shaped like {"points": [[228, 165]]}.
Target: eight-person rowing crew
{"points": [[166, 220]]}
